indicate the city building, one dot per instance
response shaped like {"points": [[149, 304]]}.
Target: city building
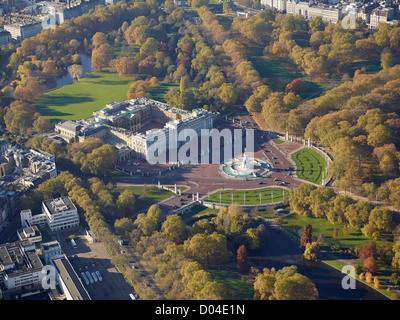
{"points": [[381, 14], [50, 251], [20, 266], [5, 38], [57, 214], [30, 234], [333, 11], [133, 126], [23, 30], [310, 10], [70, 283], [4, 145], [21, 170]]}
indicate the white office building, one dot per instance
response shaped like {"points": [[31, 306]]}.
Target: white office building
{"points": [[58, 214], [61, 214]]}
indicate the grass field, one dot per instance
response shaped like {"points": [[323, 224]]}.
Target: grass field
{"points": [[278, 141], [197, 210], [234, 283], [79, 99], [249, 196], [294, 223], [145, 196], [310, 165]]}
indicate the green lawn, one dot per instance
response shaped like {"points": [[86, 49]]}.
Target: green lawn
{"points": [[295, 222], [145, 196], [234, 283], [197, 210], [249, 196], [310, 165], [79, 99], [278, 141]]}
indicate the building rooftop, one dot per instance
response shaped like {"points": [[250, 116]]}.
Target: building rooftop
{"points": [[70, 279], [16, 260], [59, 205], [50, 245]]}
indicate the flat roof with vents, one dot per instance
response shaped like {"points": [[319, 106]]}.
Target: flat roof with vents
{"points": [[59, 205]]}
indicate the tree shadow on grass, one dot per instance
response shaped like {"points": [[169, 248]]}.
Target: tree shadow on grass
{"points": [[45, 106], [112, 82], [51, 101]]}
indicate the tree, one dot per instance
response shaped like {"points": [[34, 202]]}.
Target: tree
{"points": [[370, 265], [242, 260], [368, 277], [123, 225], [307, 236], [75, 71], [357, 215], [126, 203], [368, 250], [396, 255], [184, 84], [207, 249], [319, 201], [99, 160], [149, 222], [42, 125], [387, 60], [18, 116], [379, 223], [264, 285], [101, 57], [299, 199], [336, 209], [312, 252], [227, 94], [174, 228], [99, 39], [376, 283], [285, 284]]}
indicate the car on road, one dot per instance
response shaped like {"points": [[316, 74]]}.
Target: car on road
{"points": [[260, 182]]}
